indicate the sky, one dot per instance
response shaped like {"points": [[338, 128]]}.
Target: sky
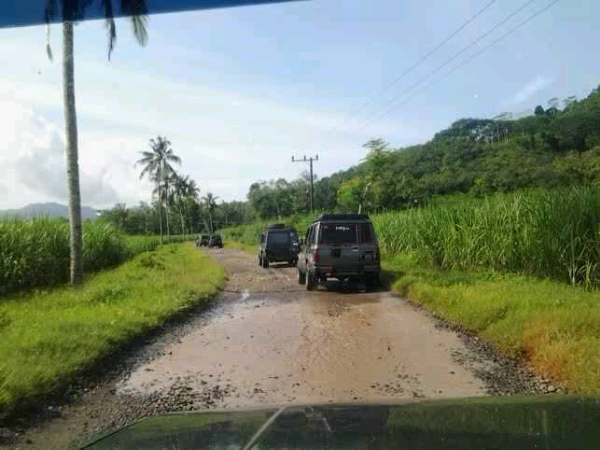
{"points": [[239, 91]]}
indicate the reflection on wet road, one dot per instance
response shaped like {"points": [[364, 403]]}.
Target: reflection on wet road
{"points": [[280, 344]]}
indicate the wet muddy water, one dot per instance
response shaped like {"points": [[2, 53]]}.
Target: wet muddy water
{"points": [[319, 346]]}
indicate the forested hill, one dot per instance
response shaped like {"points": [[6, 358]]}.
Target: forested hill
{"points": [[557, 146]]}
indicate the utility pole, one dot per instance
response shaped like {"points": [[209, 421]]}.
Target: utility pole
{"points": [[310, 161]]}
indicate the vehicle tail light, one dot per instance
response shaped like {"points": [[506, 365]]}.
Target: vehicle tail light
{"points": [[316, 256]]}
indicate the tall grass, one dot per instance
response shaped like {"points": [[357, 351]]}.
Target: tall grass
{"points": [[35, 253], [550, 234]]}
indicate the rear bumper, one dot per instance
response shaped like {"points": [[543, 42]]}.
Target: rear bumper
{"points": [[281, 256], [355, 271]]}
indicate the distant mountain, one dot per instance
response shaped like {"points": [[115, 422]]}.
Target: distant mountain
{"points": [[46, 210]]}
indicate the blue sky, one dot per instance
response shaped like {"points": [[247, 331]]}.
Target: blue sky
{"points": [[239, 91]]}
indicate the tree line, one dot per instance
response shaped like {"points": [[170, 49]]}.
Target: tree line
{"points": [[176, 206], [556, 146]]}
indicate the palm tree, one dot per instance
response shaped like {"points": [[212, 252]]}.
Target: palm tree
{"points": [[179, 191], [191, 197], [157, 167], [168, 184], [192, 191], [72, 11], [185, 190], [210, 203]]}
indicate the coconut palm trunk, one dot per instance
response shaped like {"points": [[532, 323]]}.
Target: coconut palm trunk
{"points": [[159, 213], [76, 239], [167, 214], [182, 224]]}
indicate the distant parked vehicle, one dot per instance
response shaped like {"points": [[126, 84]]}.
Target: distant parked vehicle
{"points": [[342, 246], [215, 241], [204, 239], [278, 244]]}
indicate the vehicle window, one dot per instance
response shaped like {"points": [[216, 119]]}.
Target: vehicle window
{"points": [[279, 238], [366, 233], [310, 235], [338, 233], [469, 135]]}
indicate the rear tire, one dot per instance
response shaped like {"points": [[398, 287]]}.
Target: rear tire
{"points": [[301, 277], [310, 281], [265, 262], [259, 261]]}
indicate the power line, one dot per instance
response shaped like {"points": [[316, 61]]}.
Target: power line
{"points": [[512, 30], [444, 64], [415, 65]]}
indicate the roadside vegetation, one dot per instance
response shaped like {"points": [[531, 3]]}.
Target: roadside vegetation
{"points": [[48, 337], [546, 234], [35, 253], [541, 233], [554, 325]]}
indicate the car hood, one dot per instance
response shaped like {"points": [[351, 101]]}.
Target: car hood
{"points": [[490, 422]]}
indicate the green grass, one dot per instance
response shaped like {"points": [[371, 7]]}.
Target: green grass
{"points": [[35, 253], [239, 245], [46, 338], [555, 325]]}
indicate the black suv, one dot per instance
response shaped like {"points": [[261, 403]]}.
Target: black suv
{"points": [[278, 244], [215, 241], [342, 246]]}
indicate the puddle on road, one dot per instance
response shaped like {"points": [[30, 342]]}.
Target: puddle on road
{"points": [[323, 347]]}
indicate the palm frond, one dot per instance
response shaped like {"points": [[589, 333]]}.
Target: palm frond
{"points": [[146, 156], [110, 25], [49, 14], [173, 158], [140, 29], [146, 171], [48, 48], [138, 10]]}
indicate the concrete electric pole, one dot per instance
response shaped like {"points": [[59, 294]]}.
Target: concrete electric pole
{"points": [[310, 161]]}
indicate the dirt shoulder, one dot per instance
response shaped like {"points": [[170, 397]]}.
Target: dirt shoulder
{"points": [[267, 340]]}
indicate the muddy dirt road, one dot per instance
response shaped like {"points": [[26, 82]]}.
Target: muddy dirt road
{"points": [[267, 340]]}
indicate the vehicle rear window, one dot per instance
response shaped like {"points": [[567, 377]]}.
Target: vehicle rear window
{"points": [[279, 238], [366, 233], [338, 233]]}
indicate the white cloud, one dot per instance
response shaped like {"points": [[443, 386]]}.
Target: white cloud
{"points": [[530, 89], [34, 160]]}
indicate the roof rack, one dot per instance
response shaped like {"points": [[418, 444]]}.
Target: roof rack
{"points": [[342, 217]]}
